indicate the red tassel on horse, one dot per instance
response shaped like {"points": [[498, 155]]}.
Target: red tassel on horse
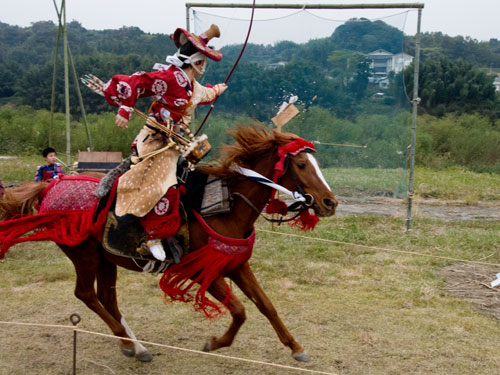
{"points": [[203, 266], [305, 221]]}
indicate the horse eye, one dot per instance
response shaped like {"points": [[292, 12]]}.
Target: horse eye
{"points": [[301, 165]]}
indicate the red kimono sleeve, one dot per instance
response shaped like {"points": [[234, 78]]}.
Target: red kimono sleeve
{"points": [[123, 91]]}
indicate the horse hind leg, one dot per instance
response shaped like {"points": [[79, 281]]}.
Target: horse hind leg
{"points": [[219, 290], [106, 293], [246, 281], [86, 261]]}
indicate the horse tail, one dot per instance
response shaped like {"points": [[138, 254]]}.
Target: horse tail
{"points": [[21, 200]]}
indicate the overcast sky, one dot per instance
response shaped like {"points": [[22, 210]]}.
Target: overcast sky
{"points": [[477, 19]]}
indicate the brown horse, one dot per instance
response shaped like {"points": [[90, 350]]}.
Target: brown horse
{"points": [[255, 149]]}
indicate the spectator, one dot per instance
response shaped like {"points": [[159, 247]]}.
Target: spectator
{"points": [[50, 170]]}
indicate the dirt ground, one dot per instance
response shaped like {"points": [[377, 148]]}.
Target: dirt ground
{"points": [[471, 282], [443, 210]]}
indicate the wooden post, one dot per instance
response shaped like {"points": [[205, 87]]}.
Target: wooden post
{"points": [[284, 116]]}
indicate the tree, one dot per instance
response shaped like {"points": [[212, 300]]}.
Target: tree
{"points": [[365, 36], [446, 86], [351, 70]]}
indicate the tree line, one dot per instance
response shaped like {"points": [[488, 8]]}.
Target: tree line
{"points": [[332, 72], [469, 140], [337, 101]]}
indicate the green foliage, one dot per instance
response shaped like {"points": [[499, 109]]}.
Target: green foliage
{"points": [[27, 58], [331, 69], [436, 44], [469, 140], [385, 137], [366, 36], [446, 86], [26, 131]]}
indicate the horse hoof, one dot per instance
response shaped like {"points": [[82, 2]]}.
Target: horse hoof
{"points": [[207, 347], [301, 357], [144, 356], [128, 352]]}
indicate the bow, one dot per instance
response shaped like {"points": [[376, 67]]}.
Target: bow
{"points": [[232, 69]]}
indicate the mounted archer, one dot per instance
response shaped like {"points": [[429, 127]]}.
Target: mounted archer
{"points": [[177, 93]]}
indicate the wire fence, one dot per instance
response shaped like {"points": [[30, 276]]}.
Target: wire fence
{"points": [[76, 330]]}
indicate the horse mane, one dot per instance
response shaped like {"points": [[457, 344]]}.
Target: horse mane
{"points": [[20, 200], [251, 143]]}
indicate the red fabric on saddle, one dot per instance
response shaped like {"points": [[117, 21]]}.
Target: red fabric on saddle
{"points": [[66, 215], [163, 220], [221, 254], [71, 193]]}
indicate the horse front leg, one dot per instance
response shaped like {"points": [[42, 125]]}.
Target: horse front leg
{"points": [[246, 281], [219, 290]]}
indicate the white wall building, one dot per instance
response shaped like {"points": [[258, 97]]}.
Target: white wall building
{"points": [[384, 62], [400, 61], [496, 83]]}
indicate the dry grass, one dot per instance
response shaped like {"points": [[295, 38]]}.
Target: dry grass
{"points": [[355, 311]]}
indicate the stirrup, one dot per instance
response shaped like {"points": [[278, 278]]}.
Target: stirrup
{"points": [[156, 249]]}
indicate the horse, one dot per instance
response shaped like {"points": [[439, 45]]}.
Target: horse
{"points": [[254, 148]]}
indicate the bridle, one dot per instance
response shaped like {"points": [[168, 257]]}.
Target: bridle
{"points": [[302, 200]]}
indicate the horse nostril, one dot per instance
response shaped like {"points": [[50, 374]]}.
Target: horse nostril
{"points": [[329, 203]]}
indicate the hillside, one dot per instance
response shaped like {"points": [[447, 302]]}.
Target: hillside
{"points": [[335, 70]]}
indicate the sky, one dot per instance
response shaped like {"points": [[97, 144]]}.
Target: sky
{"points": [[476, 19]]}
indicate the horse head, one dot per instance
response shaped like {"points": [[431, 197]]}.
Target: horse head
{"points": [[304, 175]]}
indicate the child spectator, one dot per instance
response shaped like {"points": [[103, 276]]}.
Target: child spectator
{"points": [[51, 169]]}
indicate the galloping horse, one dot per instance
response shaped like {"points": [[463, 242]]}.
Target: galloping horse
{"points": [[254, 148]]}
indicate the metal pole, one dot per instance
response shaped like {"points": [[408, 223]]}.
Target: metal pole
{"points": [[306, 6], [188, 7], [66, 87], [415, 102]]}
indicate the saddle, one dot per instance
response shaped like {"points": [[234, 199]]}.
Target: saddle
{"points": [[125, 235]]}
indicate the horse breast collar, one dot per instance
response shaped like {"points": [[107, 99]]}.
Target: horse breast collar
{"points": [[226, 245]]}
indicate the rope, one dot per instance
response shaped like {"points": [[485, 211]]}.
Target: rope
{"points": [[169, 347], [381, 248]]}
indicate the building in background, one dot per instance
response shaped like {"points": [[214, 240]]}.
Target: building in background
{"points": [[384, 62]]}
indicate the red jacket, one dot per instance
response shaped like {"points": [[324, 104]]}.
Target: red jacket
{"points": [[170, 87]]}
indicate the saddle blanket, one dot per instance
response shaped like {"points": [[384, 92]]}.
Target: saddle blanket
{"points": [[69, 214], [70, 193]]}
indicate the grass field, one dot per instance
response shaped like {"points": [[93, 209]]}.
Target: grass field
{"points": [[450, 184], [355, 310]]}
